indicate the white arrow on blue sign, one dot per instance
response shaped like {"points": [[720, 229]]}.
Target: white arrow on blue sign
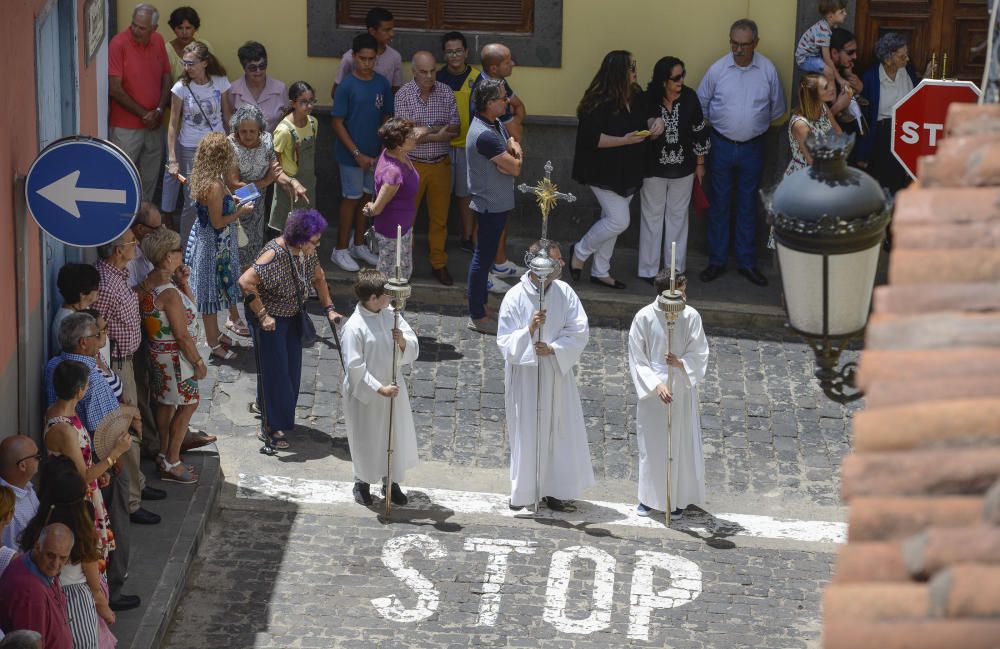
{"points": [[83, 191]]}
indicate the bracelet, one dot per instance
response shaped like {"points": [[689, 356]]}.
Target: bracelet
{"points": [[261, 314], [200, 361], [330, 308], [111, 462], [356, 152]]}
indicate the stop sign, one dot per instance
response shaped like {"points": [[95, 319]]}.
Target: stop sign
{"points": [[918, 118]]}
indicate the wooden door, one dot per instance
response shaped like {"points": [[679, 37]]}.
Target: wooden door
{"points": [[955, 27]]}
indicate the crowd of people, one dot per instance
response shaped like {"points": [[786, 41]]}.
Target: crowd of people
{"points": [[236, 171]]}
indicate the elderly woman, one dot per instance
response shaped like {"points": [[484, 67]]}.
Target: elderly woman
{"points": [[257, 164], [78, 285], [212, 252], [396, 185], [675, 159], [255, 88], [275, 290], [170, 320], [885, 83]]}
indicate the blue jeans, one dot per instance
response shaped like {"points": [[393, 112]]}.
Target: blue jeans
{"points": [[279, 353], [490, 228], [741, 164], [813, 65]]}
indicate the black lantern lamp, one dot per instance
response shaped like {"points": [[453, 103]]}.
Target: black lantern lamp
{"points": [[829, 223]]}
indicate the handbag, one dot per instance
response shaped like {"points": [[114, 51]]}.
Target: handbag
{"points": [[308, 328], [698, 198]]}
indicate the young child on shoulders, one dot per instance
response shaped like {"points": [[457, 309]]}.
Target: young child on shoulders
{"points": [[812, 54]]}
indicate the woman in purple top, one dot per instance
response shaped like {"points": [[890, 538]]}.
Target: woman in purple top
{"points": [[396, 183]]}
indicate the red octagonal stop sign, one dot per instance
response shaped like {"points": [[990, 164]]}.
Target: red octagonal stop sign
{"points": [[918, 118]]}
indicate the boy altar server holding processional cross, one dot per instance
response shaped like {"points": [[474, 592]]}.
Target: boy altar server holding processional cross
{"points": [[668, 380]]}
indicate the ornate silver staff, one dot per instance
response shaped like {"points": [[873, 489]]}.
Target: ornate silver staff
{"points": [[398, 289], [671, 302], [542, 266]]}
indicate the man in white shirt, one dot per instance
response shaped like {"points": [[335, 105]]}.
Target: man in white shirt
{"points": [[19, 458], [740, 96]]}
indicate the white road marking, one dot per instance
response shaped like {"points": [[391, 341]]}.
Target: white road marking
{"points": [[560, 573], [496, 572], [428, 597], [331, 492]]}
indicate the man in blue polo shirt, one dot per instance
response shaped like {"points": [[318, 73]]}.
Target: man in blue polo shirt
{"points": [[363, 101]]}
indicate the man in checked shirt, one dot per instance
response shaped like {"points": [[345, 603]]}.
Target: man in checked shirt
{"points": [[428, 103], [119, 305]]}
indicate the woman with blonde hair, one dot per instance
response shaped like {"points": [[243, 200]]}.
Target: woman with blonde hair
{"points": [[811, 117], [199, 105], [212, 252]]}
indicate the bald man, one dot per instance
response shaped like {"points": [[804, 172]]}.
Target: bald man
{"points": [[19, 459], [30, 594], [499, 64], [430, 105]]}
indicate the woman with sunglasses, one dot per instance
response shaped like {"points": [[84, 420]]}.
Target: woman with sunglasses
{"points": [[255, 87], [675, 160], [610, 157], [199, 105]]}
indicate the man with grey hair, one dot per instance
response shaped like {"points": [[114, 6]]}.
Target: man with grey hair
{"points": [[19, 459], [31, 597], [139, 88], [21, 639], [740, 96], [430, 104]]}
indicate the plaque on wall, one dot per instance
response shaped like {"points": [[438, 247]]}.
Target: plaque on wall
{"points": [[93, 26]]}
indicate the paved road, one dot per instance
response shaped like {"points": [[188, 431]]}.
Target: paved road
{"points": [[289, 570]]}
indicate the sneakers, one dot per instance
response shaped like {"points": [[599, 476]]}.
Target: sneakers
{"points": [[508, 269], [396, 494], [485, 325], [676, 514], [362, 253], [342, 257], [642, 510], [496, 285], [362, 493]]}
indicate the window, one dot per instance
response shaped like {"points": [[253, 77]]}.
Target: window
{"points": [[493, 16]]}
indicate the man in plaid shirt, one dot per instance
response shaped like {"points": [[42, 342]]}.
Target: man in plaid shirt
{"points": [[428, 103], [119, 305]]}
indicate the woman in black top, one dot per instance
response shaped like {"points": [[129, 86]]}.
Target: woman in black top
{"points": [[675, 159], [610, 158]]}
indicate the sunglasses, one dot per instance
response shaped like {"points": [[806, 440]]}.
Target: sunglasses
{"points": [[851, 52], [677, 77], [188, 64], [256, 67]]}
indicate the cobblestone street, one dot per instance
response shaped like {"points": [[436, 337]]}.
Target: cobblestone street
{"points": [[294, 573]]}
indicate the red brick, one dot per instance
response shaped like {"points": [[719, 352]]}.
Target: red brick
{"points": [[893, 364], [938, 548], [887, 519], [934, 266], [964, 161], [912, 634], [912, 299], [972, 119], [991, 505], [868, 562], [945, 206], [916, 390], [966, 590], [963, 471], [926, 423], [875, 601]]}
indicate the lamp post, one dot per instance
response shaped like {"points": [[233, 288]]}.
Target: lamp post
{"points": [[829, 223]]}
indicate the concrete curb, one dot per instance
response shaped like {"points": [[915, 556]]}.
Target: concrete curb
{"points": [[170, 586]]}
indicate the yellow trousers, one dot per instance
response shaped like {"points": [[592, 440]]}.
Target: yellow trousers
{"points": [[435, 183]]}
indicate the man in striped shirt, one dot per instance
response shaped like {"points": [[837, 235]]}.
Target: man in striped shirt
{"points": [[19, 458]]}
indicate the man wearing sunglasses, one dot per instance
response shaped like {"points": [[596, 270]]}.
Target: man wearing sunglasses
{"points": [[844, 52], [19, 458]]}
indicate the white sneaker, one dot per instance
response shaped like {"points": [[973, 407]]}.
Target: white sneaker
{"points": [[362, 253], [343, 259], [496, 285], [508, 269]]}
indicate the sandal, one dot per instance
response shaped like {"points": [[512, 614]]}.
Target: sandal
{"points": [[162, 464], [235, 342], [239, 328], [186, 476], [277, 440]]}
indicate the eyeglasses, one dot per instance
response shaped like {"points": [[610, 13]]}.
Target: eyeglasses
{"points": [[37, 457], [188, 64], [458, 52], [678, 77], [256, 67], [307, 102], [736, 45]]}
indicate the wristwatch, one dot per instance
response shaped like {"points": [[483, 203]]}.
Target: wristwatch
{"points": [[356, 152]]}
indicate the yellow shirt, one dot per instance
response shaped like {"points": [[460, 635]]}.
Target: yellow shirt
{"points": [[463, 95], [286, 146]]}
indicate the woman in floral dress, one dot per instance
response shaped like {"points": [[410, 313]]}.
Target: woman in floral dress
{"points": [[170, 320], [212, 252], [258, 164], [811, 117]]}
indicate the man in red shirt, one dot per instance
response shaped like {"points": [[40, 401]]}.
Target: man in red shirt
{"points": [[139, 87], [30, 595]]}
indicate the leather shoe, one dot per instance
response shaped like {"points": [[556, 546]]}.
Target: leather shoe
{"points": [[711, 273], [197, 439], [754, 275], [600, 282], [442, 275], [152, 493], [362, 493], [125, 602], [574, 272], [144, 517]]}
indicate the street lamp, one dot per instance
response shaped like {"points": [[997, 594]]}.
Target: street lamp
{"points": [[829, 223]]}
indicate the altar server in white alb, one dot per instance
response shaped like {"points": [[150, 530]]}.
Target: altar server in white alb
{"points": [[648, 361], [367, 339], [564, 456]]}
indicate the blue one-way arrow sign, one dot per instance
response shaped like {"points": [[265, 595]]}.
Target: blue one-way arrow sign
{"points": [[83, 191]]}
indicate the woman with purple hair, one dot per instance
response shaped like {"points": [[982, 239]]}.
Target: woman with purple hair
{"points": [[275, 290]]}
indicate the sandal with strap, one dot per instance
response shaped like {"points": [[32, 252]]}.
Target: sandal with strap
{"points": [[235, 342], [162, 464], [187, 476], [226, 355], [238, 327], [278, 440]]}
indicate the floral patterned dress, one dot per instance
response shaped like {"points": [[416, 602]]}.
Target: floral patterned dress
{"points": [[105, 537], [254, 164], [168, 384], [823, 125], [214, 260]]}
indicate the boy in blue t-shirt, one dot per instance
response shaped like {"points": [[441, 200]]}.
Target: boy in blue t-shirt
{"points": [[363, 102], [812, 54]]}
